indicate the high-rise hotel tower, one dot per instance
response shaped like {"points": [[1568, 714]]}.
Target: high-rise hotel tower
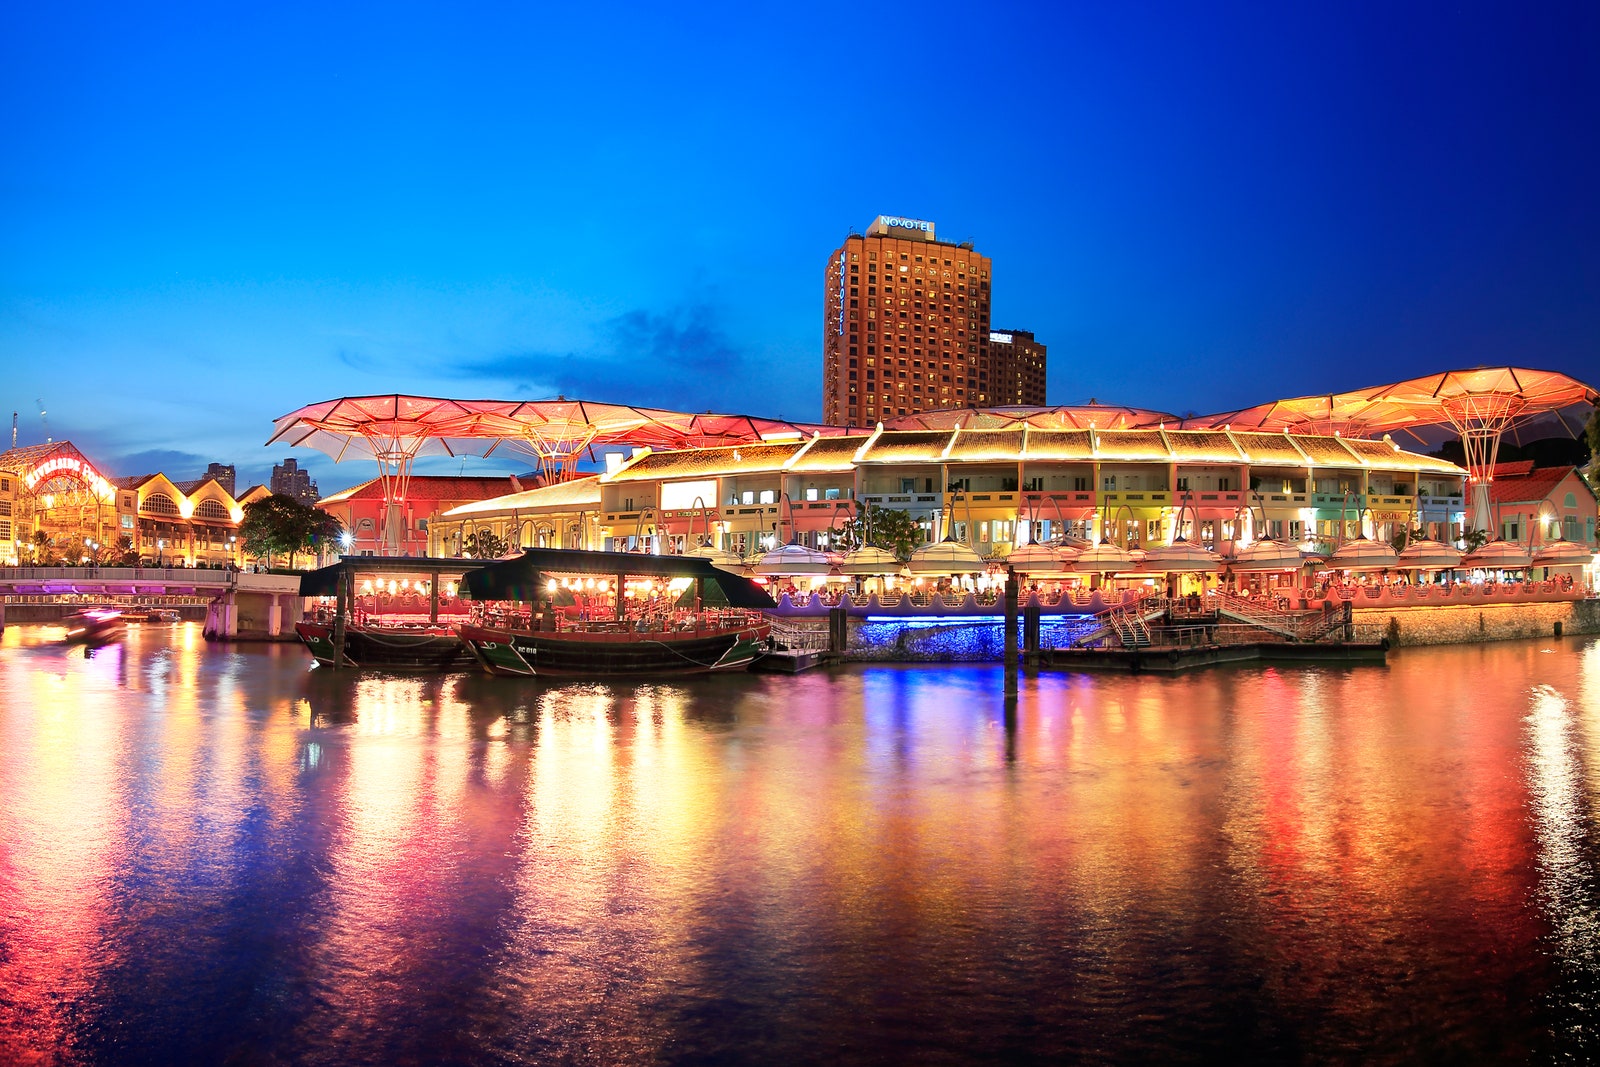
{"points": [[907, 325]]}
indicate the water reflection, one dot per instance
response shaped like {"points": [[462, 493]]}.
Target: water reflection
{"points": [[235, 857]]}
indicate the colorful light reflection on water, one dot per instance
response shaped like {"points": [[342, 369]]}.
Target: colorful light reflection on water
{"points": [[212, 854]]}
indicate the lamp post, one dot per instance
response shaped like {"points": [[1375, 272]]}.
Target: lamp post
{"points": [[161, 552]]}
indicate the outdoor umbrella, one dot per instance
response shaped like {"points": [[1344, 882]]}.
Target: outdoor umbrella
{"points": [[1183, 557], [1429, 555], [1104, 558], [1266, 555], [1364, 554], [719, 557], [868, 560], [1499, 555], [945, 557], [1036, 559], [793, 559], [1562, 554]]}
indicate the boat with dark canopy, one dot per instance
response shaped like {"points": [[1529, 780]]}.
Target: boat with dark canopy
{"points": [[567, 612], [389, 612]]}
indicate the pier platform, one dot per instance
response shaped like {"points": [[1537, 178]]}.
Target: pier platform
{"points": [[791, 660]]}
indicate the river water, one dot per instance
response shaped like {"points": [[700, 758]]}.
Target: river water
{"points": [[211, 854]]}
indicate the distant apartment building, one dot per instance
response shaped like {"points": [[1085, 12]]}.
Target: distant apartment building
{"points": [[1016, 368], [224, 473], [290, 480], [907, 325]]}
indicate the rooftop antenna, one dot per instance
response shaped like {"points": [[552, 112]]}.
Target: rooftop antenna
{"points": [[13, 429], [44, 421]]}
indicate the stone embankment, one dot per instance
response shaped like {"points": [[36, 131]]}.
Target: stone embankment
{"points": [[1470, 623]]}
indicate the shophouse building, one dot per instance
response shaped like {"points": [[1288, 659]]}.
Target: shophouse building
{"points": [[997, 489], [1537, 505]]}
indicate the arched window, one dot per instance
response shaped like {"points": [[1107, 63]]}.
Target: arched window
{"points": [[1571, 500], [159, 504], [211, 509]]}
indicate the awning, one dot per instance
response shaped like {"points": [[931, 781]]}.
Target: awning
{"points": [[520, 578]]}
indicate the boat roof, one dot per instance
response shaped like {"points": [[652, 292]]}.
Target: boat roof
{"points": [[518, 579], [325, 581]]}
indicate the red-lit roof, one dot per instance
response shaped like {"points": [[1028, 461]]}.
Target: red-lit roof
{"points": [[1530, 486], [428, 487]]}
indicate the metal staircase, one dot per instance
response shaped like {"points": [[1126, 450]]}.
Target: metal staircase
{"points": [[1129, 625], [1282, 623]]}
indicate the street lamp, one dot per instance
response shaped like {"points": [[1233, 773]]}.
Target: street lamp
{"points": [[161, 552]]}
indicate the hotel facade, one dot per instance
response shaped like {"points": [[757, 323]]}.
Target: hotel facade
{"points": [[906, 325]]}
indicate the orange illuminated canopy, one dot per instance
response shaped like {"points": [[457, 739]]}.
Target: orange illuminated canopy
{"points": [[1483, 397], [396, 428]]}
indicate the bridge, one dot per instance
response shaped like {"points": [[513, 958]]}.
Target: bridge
{"points": [[241, 604]]}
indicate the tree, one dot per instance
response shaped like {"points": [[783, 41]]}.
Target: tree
{"points": [[280, 523], [44, 552], [1474, 539], [888, 528], [125, 554], [485, 544]]}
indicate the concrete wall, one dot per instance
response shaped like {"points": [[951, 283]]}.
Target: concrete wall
{"points": [[1465, 624]]}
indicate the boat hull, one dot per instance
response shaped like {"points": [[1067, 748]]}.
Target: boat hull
{"points": [[540, 654], [385, 649]]}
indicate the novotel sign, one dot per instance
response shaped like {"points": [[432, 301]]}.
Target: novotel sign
{"points": [[897, 222]]}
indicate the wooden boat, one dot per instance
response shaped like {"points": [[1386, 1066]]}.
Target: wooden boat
{"points": [[698, 618], [151, 615], [388, 646], [387, 612], [93, 626]]}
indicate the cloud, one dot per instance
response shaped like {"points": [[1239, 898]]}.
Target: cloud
{"points": [[682, 359], [179, 466]]}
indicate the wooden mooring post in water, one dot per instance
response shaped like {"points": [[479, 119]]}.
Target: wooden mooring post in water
{"points": [[1011, 631]]}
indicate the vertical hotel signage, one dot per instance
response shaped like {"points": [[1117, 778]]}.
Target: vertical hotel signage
{"points": [[843, 283]]}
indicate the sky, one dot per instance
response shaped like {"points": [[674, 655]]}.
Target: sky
{"points": [[213, 215]]}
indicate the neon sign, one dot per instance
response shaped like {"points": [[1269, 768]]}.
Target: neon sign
{"points": [[73, 466], [907, 224]]}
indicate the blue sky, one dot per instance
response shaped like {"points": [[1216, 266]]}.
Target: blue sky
{"points": [[210, 216]]}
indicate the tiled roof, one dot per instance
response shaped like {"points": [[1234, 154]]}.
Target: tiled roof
{"points": [[1202, 446], [1325, 451], [977, 446], [1269, 448], [1059, 445], [1517, 468], [1130, 444], [427, 487], [829, 454], [907, 446], [1529, 488], [699, 462], [1384, 455], [575, 493], [132, 481]]}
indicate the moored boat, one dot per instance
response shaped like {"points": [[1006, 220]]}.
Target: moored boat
{"points": [[151, 615], [389, 613], [639, 615], [388, 646]]}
